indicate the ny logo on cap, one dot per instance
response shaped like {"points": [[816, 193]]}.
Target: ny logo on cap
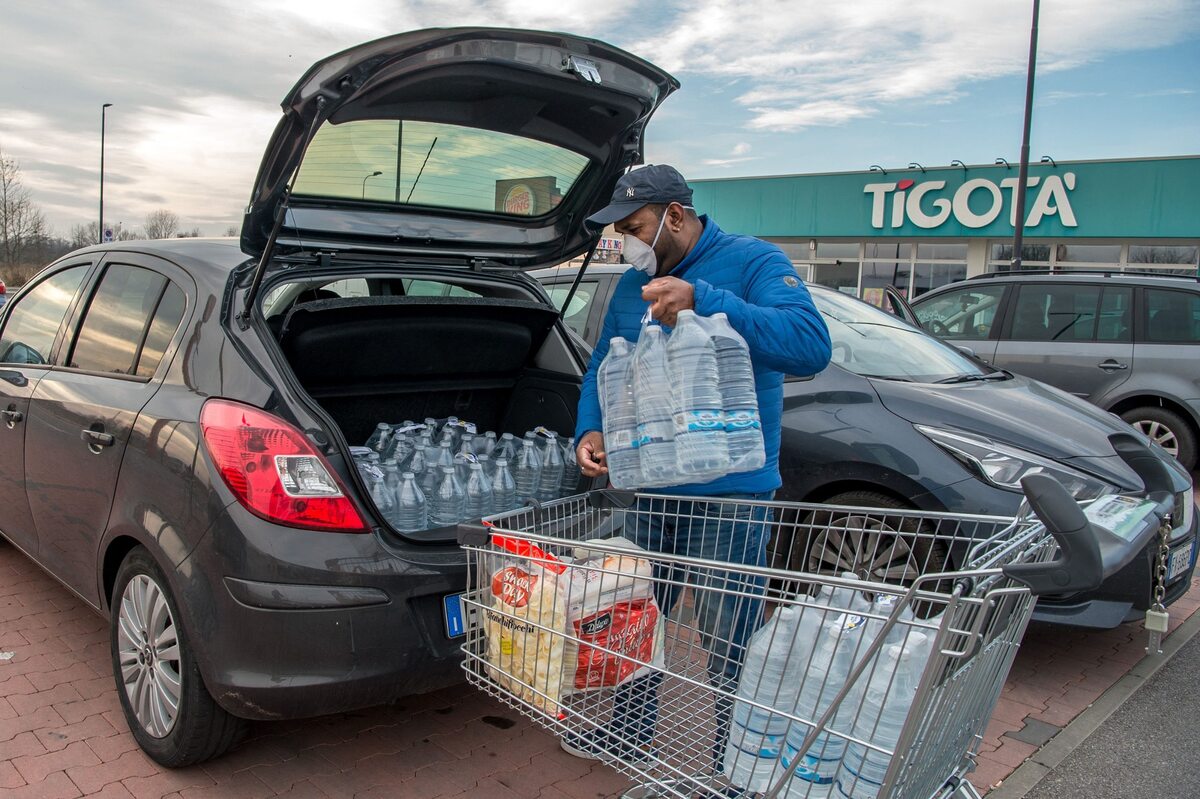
{"points": [[629, 191]]}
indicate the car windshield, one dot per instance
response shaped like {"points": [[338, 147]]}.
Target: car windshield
{"points": [[404, 162], [873, 343]]}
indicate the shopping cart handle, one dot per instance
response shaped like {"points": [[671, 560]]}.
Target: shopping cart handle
{"points": [[1078, 566], [473, 534], [1149, 467]]}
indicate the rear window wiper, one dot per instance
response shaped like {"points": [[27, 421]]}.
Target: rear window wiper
{"points": [[1000, 375]]}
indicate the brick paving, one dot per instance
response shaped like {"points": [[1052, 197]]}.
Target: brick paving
{"points": [[62, 733]]}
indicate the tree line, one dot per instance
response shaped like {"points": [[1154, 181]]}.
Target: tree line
{"points": [[27, 243]]}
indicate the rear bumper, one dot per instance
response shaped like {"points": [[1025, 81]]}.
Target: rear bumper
{"points": [[291, 624]]}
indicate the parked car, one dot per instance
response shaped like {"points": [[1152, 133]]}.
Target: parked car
{"points": [[178, 414], [901, 419], [1126, 342]]}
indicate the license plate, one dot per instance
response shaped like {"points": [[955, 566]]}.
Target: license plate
{"points": [[456, 615], [1179, 562]]}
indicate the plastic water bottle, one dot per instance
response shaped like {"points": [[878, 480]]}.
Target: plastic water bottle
{"points": [[391, 481], [436, 459], [527, 471], [615, 382], [411, 512], [383, 498], [571, 474], [701, 451], [466, 442], [778, 652], [448, 505], [379, 436], [506, 448], [830, 665], [487, 444], [552, 470], [739, 400], [415, 462], [504, 488], [462, 465], [479, 494], [485, 461], [656, 428], [887, 699]]}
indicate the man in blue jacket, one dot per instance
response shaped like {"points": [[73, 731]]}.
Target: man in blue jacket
{"points": [[683, 261]]}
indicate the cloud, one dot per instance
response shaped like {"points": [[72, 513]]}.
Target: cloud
{"points": [[726, 162], [1166, 93], [834, 63], [1056, 97], [741, 148]]}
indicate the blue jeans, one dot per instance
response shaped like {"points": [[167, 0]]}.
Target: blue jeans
{"points": [[720, 531]]}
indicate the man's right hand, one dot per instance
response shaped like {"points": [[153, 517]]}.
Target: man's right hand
{"points": [[589, 454]]}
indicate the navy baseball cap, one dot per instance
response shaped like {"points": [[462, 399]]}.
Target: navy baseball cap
{"points": [[657, 183]]}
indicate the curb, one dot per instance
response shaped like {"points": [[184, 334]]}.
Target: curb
{"points": [[1058, 748]]}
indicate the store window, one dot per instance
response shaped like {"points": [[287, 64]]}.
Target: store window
{"points": [[929, 276], [843, 277], [1106, 254], [942, 252], [842, 250], [1162, 254], [1033, 256], [878, 275], [890, 251]]}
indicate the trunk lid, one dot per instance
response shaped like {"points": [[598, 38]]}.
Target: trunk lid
{"points": [[468, 145]]}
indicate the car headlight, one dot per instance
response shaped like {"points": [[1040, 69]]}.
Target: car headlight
{"points": [[1004, 466]]}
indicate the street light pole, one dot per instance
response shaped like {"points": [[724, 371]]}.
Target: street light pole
{"points": [[100, 229], [1023, 171], [368, 177]]}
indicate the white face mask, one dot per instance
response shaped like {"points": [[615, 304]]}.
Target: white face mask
{"points": [[640, 254]]}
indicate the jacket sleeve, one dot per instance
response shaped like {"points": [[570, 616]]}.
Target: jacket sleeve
{"points": [[778, 318], [589, 418]]}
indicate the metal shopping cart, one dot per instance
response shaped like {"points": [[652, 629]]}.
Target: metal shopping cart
{"points": [[875, 681]]}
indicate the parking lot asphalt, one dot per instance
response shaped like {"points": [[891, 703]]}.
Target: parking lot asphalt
{"points": [[62, 733]]}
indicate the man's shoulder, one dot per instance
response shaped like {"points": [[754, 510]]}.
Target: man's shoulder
{"points": [[748, 245]]}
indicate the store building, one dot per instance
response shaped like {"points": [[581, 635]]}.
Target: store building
{"points": [[919, 228]]}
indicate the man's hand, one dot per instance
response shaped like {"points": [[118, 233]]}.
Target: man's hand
{"points": [[669, 296], [589, 454]]}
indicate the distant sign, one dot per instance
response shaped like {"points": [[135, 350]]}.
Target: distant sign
{"points": [[108, 234], [519, 200], [532, 196], [614, 245]]}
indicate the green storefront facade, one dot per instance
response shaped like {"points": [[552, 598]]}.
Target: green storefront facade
{"points": [[921, 228]]}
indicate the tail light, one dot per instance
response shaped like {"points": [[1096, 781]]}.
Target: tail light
{"points": [[274, 471]]}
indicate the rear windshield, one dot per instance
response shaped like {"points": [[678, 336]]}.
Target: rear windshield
{"points": [[434, 164]]}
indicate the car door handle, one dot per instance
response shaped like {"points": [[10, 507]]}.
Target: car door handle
{"points": [[1112, 366], [11, 417], [96, 438]]}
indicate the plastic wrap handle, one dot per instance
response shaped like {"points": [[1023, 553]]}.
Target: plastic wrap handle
{"points": [[1078, 566], [527, 549]]}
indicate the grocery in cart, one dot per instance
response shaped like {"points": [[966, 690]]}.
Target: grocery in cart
{"points": [[873, 682]]}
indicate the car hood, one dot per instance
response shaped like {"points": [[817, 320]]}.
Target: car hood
{"points": [[1020, 412], [584, 97]]}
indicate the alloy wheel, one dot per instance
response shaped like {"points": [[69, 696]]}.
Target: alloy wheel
{"points": [[148, 644], [869, 548], [1160, 434]]}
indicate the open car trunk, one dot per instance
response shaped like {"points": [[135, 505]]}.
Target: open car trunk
{"points": [[367, 360]]}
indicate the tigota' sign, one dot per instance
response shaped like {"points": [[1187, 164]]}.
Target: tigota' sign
{"points": [[976, 203]]}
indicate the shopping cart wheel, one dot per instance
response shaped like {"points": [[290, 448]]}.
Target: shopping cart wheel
{"points": [[874, 544]]}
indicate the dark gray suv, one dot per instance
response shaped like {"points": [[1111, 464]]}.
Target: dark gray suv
{"points": [[178, 414], [1127, 342]]}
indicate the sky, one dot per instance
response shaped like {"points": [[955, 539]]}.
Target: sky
{"points": [[768, 86]]}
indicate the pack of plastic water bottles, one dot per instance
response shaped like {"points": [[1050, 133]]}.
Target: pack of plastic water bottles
{"points": [[681, 408], [439, 472]]}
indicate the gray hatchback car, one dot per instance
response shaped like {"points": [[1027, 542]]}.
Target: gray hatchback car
{"points": [[1127, 342]]}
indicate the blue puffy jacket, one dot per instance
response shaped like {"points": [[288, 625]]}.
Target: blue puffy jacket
{"points": [[755, 284]]}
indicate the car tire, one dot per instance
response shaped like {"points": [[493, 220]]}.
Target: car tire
{"points": [[1166, 428], [169, 710], [906, 547]]}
